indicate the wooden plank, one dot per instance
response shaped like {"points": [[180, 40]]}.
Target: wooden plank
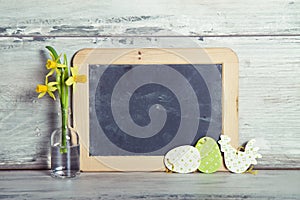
{"points": [[221, 185], [268, 103], [150, 17]]}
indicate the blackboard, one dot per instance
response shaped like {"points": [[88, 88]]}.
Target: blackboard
{"points": [[150, 109], [140, 103]]}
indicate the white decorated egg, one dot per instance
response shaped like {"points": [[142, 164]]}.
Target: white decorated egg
{"points": [[182, 159]]}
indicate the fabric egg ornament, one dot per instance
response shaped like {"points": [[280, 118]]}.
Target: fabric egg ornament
{"points": [[182, 159], [211, 158]]}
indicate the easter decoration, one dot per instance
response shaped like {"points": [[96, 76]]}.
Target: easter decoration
{"points": [[211, 158], [64, 141], [207, 158], [238, 161], [182, 159]]}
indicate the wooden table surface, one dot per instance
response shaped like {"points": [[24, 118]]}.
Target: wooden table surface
{"points": [[267, 184]]}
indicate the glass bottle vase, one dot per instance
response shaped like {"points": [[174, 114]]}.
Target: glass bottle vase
{"points": [[65, 159]]}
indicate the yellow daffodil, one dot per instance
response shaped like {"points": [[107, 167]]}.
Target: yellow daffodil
{"points": [[47, 88], [53, 65], [75, 78]]}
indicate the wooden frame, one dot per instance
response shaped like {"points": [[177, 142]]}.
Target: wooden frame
{"points": [[85, 57]]}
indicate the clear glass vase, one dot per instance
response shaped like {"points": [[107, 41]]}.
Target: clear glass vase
{"points": [[65, 159]]}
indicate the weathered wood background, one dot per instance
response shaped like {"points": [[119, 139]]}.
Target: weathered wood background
{"points": [[264, 34]]}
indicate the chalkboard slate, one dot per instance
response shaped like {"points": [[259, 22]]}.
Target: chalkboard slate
{"points": [[140, 103], [150, 109]]}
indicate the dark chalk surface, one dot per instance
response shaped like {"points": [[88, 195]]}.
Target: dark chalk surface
{"points": [[150, 109]]}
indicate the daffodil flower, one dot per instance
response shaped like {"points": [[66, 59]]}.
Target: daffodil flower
{"points": [[47, 88], [62, 80], [53, 65], [75, 78]]}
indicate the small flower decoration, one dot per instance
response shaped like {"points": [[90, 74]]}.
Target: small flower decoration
{"points": [[60, 72], [63, 79], [53, 65], [75, 78], [47, 88]]}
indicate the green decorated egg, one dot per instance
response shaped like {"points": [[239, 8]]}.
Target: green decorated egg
{"points": [[210, 154]]}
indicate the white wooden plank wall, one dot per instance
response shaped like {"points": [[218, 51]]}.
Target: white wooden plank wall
{"points": [[264, 34]]}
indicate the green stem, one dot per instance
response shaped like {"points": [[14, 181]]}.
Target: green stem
{"points": [[64, 129], [58, 80], [64, 110]]}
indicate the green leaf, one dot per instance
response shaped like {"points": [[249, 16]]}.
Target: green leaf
{"points": [[65, 60], [66, 70], [54, 53]]}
